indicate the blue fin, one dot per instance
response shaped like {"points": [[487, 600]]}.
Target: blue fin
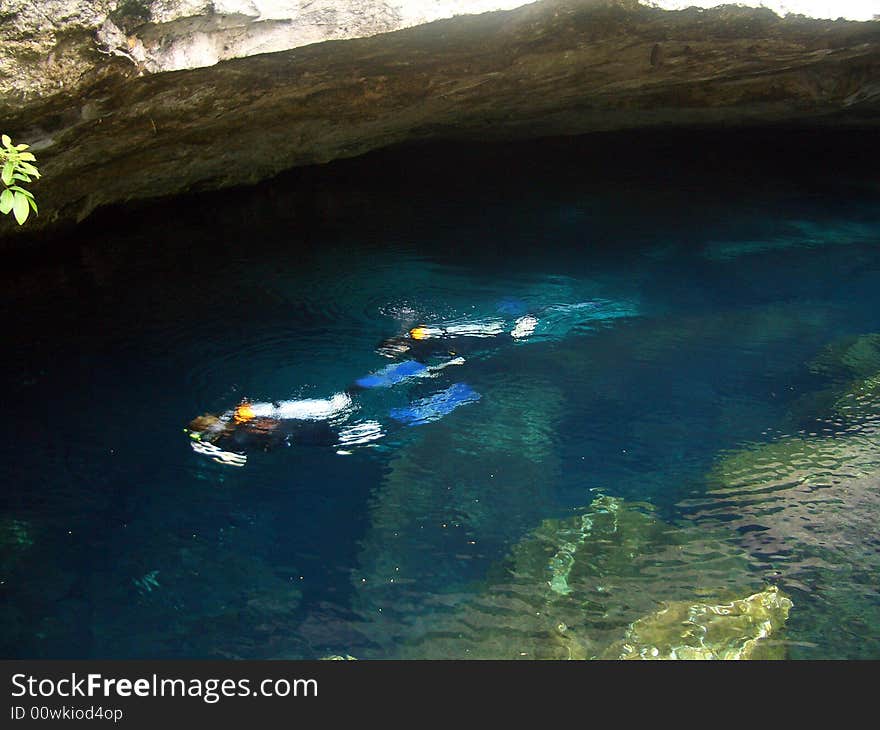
{"points": [[436, 406], [393, 374]]}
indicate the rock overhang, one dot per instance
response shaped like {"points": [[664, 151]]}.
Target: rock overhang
{"points": [[119, 132]]}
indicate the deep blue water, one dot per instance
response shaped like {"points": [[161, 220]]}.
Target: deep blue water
{"points": [[683, 287]]}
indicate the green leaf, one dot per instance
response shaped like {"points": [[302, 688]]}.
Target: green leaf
{"points": [[8, 169], [21, 147], [27, 156], [6, 141], [33, 204], [6, 200], [18, 189], [21, 208], [21, 176], [28, 168]]}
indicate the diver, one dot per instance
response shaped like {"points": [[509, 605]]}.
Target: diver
{"points": [[322, 422], [423, 341], [253, 425], [429, 349], [469, 338]]}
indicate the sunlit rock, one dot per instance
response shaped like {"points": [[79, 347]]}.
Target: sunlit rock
{"points": [[685, 630], [53, 43], [861, 401]]}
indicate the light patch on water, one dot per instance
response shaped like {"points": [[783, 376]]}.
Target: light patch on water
{"points": [[524, 327], [558, 321], [359, 434], [402, 312], [215, 453]]}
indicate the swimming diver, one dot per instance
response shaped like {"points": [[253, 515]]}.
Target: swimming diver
{"points": [[428, 349], [321, 422], [425, 341]]}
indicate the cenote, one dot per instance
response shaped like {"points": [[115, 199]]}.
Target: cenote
{"points": [[674, 402]]}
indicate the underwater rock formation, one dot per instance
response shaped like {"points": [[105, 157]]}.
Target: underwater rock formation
{"points": [[806, 506], [106, 129], [497, 462], [857, 356], [572, 588], [816, 490], [684, 630], [212, 597]]}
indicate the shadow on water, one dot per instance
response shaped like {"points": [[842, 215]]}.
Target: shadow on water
{"points": [[692, 418]]}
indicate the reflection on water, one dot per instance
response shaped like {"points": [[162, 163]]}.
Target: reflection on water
{"points": [[572, 427]]}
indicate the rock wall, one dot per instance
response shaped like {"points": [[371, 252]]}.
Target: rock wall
{"points": [[53, 44], [107, 129]]}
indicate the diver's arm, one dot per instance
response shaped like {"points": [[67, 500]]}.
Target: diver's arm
{"points": [[454, 361]]}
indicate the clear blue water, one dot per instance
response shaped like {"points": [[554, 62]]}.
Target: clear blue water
{"points": [[685, 291]]}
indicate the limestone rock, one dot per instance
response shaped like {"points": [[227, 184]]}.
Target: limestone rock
{"points": [[81, 85], [684, 630], [57, 42]]}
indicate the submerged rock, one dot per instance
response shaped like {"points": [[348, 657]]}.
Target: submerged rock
{"points": [[685, 630], [199, 598], [806, 507], [451, 491], [857, 356], [574, 586], [811, 488], [816, 492]]}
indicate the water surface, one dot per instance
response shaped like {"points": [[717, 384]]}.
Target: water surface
{"points": [[704, 360]]}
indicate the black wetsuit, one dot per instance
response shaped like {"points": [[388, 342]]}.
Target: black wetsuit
{"points": [[289, 432]]}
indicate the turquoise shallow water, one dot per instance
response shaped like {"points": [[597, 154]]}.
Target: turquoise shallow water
{"points": [[702, 355]]}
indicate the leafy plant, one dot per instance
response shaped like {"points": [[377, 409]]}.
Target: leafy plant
{"points": [[17, 168]]}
